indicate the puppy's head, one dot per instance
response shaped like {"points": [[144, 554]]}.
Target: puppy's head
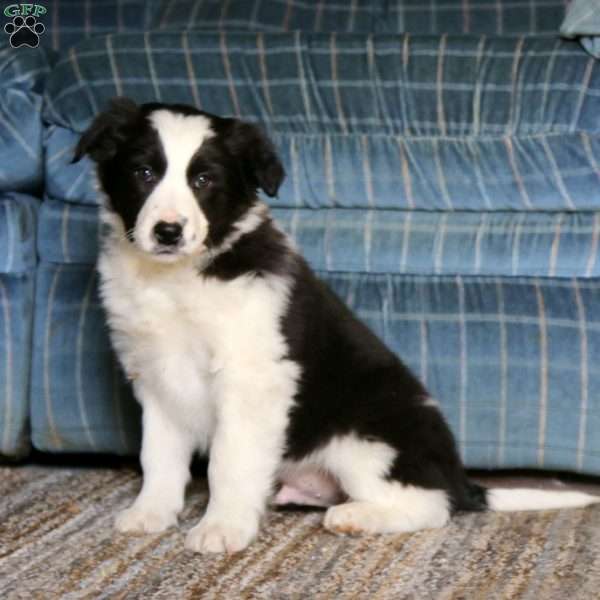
{"points": [[177, 178]]}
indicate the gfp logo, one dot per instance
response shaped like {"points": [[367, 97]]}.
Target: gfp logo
{"points": [[24, 29]]}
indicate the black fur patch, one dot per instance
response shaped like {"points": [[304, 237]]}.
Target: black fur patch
{"points": [[261, 252], [352, 383]]}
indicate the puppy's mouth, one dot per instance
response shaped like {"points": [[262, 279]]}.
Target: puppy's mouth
{"points": [[166, 251], [170, 254], [167, 254]]}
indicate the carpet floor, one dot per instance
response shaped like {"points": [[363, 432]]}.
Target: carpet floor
{"points": [[56, 541]]}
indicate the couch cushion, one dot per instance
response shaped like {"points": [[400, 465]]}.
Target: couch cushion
{"points": [[363, 121], [23, 72], [385, 241], [79, 401], [505, 17], [510, 359]]}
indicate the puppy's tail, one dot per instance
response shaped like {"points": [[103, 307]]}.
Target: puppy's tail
{"points": [[477, 498], [505, 500]]}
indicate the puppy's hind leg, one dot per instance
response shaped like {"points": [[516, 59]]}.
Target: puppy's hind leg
{"points": [[411, 509], [376, 503]]}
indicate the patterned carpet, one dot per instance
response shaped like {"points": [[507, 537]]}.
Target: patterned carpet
{"points": [[56, 541]]}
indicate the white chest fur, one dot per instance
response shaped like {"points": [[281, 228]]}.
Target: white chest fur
{"points": [[175, 332]]}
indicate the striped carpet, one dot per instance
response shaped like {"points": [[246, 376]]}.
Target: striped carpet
{"points": [[56, 541]]}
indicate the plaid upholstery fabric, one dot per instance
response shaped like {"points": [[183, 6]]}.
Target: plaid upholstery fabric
{"points": [[493, 17], [79, 401], [370, 122], [17, 259], [23, 72], [511, 359], [68, 22], [384, 241]]}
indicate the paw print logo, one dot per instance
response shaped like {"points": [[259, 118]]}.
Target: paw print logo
{"points": [[24, 32]]}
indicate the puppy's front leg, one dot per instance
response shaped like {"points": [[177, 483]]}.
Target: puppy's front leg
{"points": [[244, 456], [166, 454]]}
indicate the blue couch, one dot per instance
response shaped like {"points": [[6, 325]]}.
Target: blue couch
{"points": [[443, 176]]}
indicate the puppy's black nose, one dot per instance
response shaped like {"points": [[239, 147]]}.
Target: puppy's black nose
{"points": [[168, 234]]}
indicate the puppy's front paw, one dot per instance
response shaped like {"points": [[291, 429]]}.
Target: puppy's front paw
{"points": [[143, 520], [213, 535]]}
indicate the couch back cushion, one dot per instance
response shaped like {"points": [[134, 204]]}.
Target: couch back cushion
{"points": [[427, 123], [493, 17]]}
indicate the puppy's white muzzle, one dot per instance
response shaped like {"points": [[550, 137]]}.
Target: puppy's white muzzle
{"points": [[171, 226]]}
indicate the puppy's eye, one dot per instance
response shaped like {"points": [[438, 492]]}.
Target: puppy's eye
{"points": [[201, 181], [144, 174]]}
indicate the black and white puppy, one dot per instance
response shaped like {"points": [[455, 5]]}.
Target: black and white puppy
{"points": [[236, 349]]}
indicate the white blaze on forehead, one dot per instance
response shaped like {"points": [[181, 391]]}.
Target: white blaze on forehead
{"points": [[172, 199], [180, 136]]}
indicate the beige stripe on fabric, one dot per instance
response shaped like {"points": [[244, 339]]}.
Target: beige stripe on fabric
{"points": [[569, 204], [7, 354], [543, 380], [189, 65], [302, 76], [440, 85], [79, 356], [10, 221], [406, 176], [441, 178], [555, 246], [508, 142], [367, 173], [329, 171], [335, 82], [264, 76], [502, 412], [593, 255], [55, 440], [151, 68], [80, 79], [584, 374], [462, 431], [514, 95], [113, 66]]}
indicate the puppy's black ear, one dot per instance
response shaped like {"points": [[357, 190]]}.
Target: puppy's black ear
{"points": [[101, 139], [262, 166]]}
